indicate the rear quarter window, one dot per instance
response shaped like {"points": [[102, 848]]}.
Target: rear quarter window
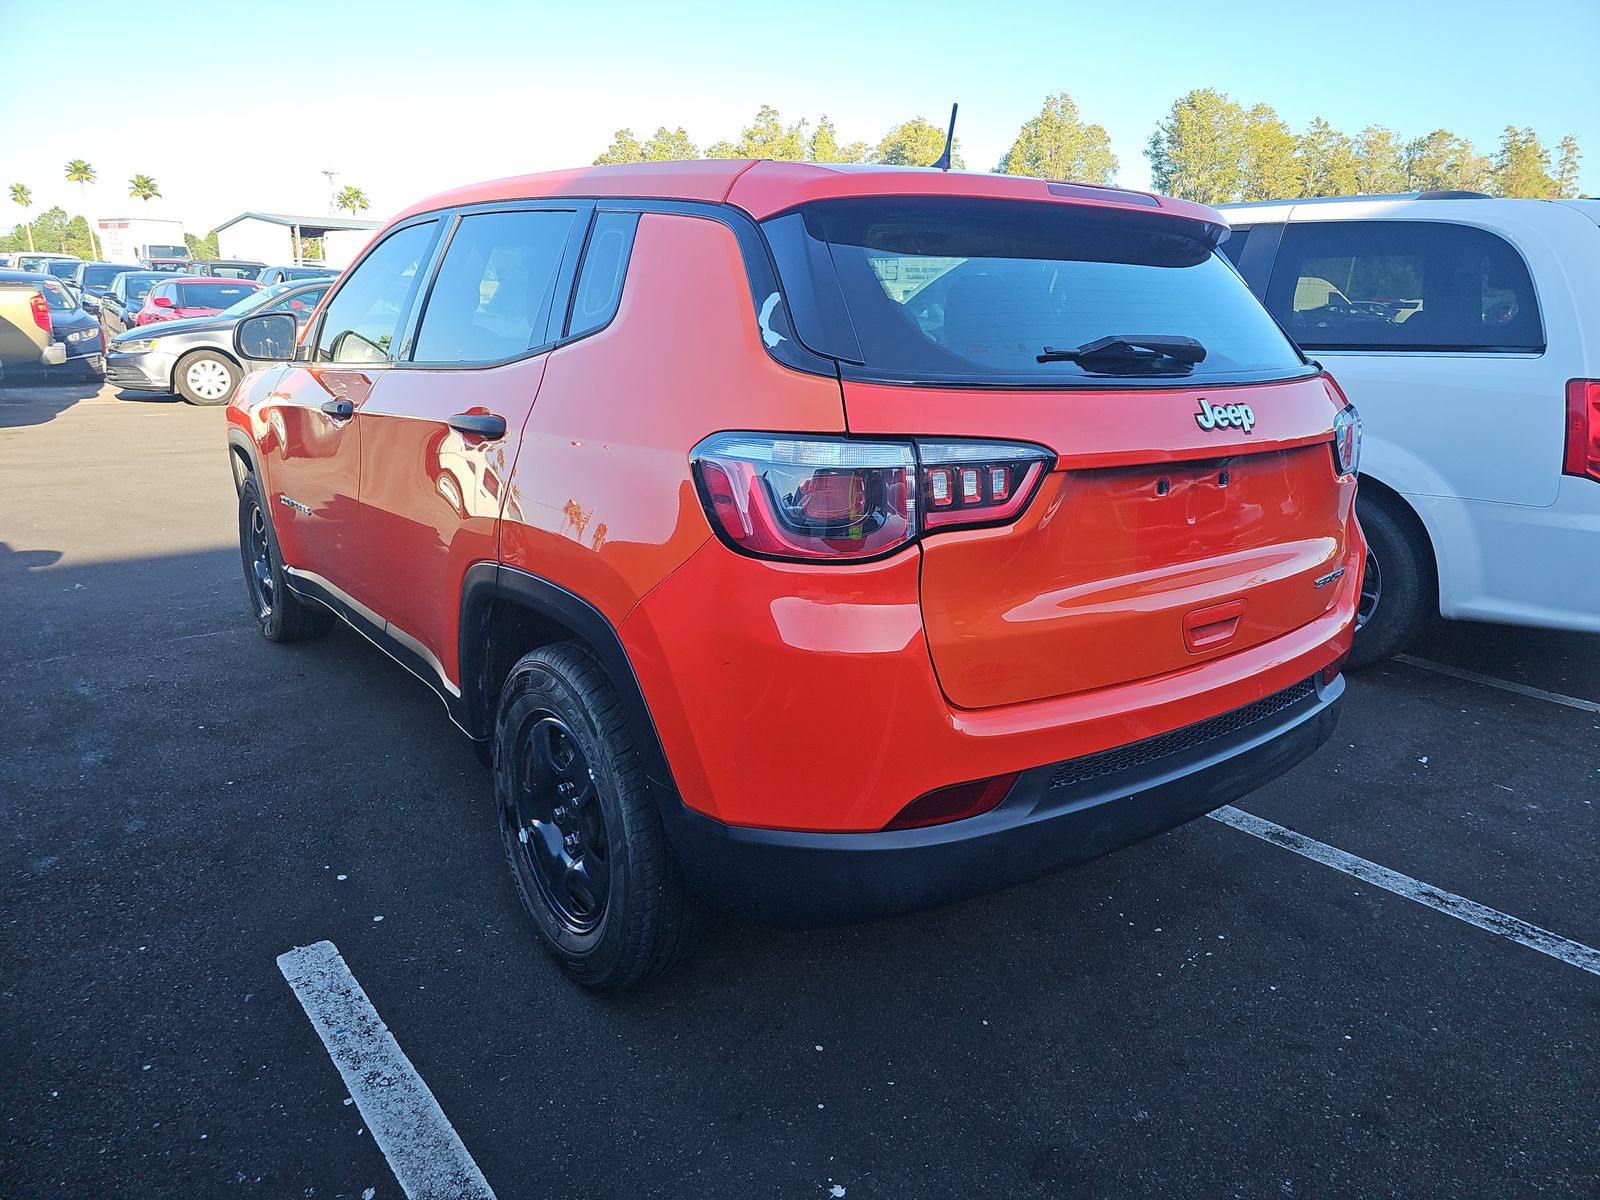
{"points": [[974, 291], [1404, 285]]}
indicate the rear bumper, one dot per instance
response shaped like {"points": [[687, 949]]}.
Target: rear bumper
{"points": [[1055, 816]]}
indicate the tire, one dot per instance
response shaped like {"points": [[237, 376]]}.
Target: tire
{"points": [[206, 378], [279, 613], [1397, 586], [581, 832]]}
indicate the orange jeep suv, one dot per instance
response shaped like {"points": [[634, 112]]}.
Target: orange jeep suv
{"points": [[818, 542]]}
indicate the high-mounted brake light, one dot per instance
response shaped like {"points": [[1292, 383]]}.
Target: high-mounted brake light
{"points": [[41, 312], [1583, 429], [804, 499], [1347, 441]]}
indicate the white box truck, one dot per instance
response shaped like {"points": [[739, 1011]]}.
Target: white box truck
{"points": [[152, 242]]}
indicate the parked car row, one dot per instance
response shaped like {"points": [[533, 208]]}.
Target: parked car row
{"points": [[65, 323]]}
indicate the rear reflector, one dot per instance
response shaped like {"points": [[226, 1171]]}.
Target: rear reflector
{"points": [[1583, 429], [954, 803]]}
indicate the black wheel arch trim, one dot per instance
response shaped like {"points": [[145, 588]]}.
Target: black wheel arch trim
{"points": [[487, 584]]}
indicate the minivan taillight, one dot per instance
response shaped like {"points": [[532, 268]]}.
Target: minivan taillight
{"points": [[41, 312], [810, 498], [1583, 429]]}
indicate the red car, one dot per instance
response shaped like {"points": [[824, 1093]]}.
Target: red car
{"points": [[192, 296], [816, 542]]}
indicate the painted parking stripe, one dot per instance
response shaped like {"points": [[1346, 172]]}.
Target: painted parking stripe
{"points": [[1575, 954], [1504, 685], [406, 1121]]}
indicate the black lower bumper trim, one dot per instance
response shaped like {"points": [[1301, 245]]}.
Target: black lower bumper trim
{"points": [[1055, 816]]}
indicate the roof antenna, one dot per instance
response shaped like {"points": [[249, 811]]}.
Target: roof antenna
{"points": [[949, 142]]}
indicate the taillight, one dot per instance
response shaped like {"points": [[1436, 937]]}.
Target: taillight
{"points": [[954, 803], [1583, 429], [41, 312], [833, 498], [977, 483], [1347, 441]]}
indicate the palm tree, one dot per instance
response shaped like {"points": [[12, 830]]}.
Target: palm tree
{"points": [[23, 196], [81, 173], [351, 199], [142, 187]]}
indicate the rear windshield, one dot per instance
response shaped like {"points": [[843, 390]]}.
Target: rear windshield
{"points": [[102, 276], [975, 291], [167, 251], [139, 285], [212, 295]]}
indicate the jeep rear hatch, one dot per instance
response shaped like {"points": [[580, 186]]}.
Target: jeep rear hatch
{"points": [[1193, 507]]}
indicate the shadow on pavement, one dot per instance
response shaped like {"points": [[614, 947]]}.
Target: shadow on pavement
{"points": [[35, 399]]}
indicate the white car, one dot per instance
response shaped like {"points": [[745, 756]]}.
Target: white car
{"points": [[1466, 331]]}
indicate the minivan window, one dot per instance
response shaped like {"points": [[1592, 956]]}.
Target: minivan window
{"points": [[365, 314], [1403, 285], [605, 263], [975, 291], [492, 297]]}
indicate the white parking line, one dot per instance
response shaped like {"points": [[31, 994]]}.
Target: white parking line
{"points": [[1504, 685], [406, 1121], [1575, 954]]}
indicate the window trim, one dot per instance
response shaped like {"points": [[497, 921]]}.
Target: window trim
{"points": [[566, 272], [1428, 348]]}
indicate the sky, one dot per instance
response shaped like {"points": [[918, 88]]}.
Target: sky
{"points": [[406, 99]]}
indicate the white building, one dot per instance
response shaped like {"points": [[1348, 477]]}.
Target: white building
{"points": [[274, 238]]}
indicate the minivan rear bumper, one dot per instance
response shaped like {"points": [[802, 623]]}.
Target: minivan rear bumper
{"points": [[1055, 815]]}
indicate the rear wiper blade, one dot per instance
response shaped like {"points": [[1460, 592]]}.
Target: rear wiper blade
{"points": [[1128, 347]]}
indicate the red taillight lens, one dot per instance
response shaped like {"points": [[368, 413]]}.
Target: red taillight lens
{"points": [[953, 803], [978, 483], [41, 312], [808, 498], [840, 498], [1583, 429]]}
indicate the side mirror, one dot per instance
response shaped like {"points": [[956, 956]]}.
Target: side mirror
{"points": [[162, 301], [269, 337]]}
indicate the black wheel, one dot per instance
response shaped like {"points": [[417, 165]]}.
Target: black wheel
{"points": [[282, 616], [206, 377], [1397, 588], [580, 827]]}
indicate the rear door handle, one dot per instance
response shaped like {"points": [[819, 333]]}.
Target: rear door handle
{"points": [[339, 410], [477, 424]]}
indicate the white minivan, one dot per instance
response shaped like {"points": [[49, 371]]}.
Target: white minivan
{"points": [[1466, 331]]}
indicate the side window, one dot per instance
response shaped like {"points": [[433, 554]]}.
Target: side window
{"points": [[605, 264], [1233, 248], [492, 298], [1403, 285], [365, 315], [301, 304]]}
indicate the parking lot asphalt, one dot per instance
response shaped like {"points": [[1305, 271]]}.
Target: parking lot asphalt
{"points": [[1206, 1014]]}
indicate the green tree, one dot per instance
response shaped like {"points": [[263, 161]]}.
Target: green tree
{"points": [[23, 195], [670, 145], [1522, 168], [142, 187], [1567, 168], [352, 200], [1380, 162], [1442, 161], [81, 173], [1326, 161], [766, 137], [1056, 144], [624, 148], [915, 143], [205, 247], [825, 146], [1197, 152], [1269, 167]]}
